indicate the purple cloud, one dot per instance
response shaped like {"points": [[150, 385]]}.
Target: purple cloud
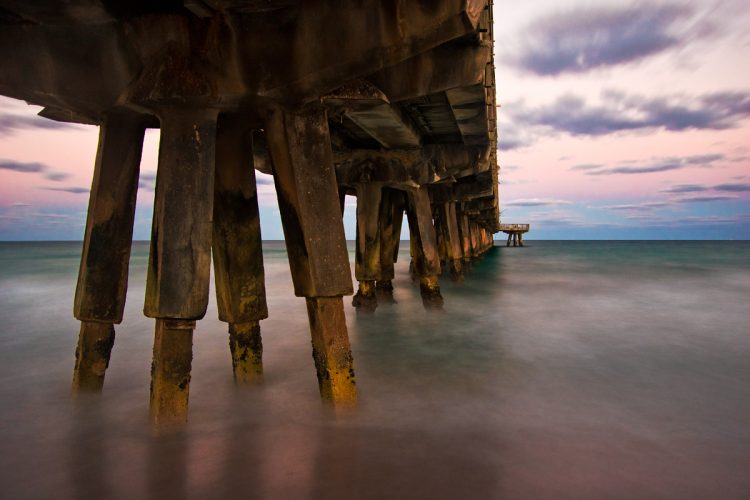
{"points": [[9, 123], [707, 199], [661, 165], [621, 113], [73, 190], [685, 188], [733, 187], [585, 39]]}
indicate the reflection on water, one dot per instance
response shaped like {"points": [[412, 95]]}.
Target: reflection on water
{"points": [[563, 369]]}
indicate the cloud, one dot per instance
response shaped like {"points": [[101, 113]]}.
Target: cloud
{"points": [[147, 181], [659, 165], [535, 202], [685, 188], [582, 40], [648, 205], [33, 168], [733, 187], [10, 123], [618, 112], [509, 143], [73, 190], [17, 166], [586, 166], [706, 199], [712, 219], [51, 216], [704, 159], [262, 179], [56, 176]]}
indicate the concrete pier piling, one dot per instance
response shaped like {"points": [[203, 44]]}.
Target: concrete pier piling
{"points": [[95, 343], [395, 105], [425, 254], [331, 350], [367, 262], [103, 274], [308, 197], [179, 262], [246, 349], [170, 371], [237, 248]]}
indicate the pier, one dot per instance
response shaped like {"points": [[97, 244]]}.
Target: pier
{"points": [[515, 233], [391, 102]]}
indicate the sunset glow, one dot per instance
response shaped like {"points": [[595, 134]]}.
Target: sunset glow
{"points": [[619, 120]]}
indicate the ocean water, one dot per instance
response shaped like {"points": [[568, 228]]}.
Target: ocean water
{"points": [[559, 370]]}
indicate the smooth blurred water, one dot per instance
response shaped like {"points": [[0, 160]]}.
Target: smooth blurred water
{"points": [[558, 370]]}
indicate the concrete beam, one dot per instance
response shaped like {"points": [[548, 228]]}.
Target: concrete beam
{"points": [[469, 108], [443, 68], [408, 168]]}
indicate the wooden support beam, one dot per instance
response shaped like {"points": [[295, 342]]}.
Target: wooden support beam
{"points": [[237, 248], [314, 232], [424, 246], [103, 274]]}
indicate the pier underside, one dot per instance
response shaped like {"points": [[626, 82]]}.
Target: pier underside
{"points": [[392, 102]]}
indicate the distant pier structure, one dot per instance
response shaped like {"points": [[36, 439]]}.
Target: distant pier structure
{"points": [[390, 101], [515, 233]]}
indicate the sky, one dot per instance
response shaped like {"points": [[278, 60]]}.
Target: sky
{"points": [[618, 120]]}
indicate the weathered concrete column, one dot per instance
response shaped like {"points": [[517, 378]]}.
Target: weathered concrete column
{"points": [[391, 216], [170, 371], [367, 260], [305, 180], [520, 239], [510, 237], [103, 274], [465, 233], [237, 248], [180, 259], [474, 242], [450, 238], [424, 247]]}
